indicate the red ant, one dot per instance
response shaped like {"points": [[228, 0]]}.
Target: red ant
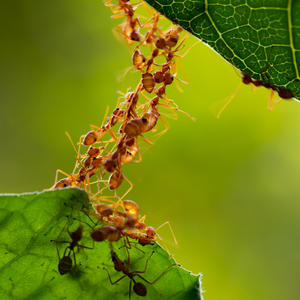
{"points": [[246, 79]]}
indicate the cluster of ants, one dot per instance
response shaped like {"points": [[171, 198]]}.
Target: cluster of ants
{"points": [[134, 118], [112, 217], [108, 224]]}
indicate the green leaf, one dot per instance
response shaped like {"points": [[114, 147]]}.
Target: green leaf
{"points": [[29, 261], [246, 33]]}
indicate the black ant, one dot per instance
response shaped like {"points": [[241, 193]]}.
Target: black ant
{"points": [[65, 263], [138, 287]]}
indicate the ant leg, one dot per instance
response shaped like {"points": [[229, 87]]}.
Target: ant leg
{"points": [[162, 132], [110, 277], [150, 13], [193, 119], [158, 276], [164, 245], [118, 16], [78, 154], [129, 246], [142, 219], [145, 109], [170, 229], [130, 289], [140, 157], [146, 140], [87, 247], [100, 192], [271, 101], [62, 172], [76, 268], [145, 265], [131, 186], [183, 55], [231, 97]]}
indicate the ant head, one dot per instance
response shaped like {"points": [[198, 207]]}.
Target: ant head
{"points": [[110, 165], [246, 79], [63, 183], [108, 211], [169, 78], [144, 240], [100, 207], [118, 263], [138, 59], [172, 38], [140, 289], [135, 36], [93, 152], [159, 77], [151, 232], [160, 43], [98, 236], [77, 234], [113, 256]]}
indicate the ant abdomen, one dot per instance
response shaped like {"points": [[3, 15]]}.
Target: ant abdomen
{"points": [[90, 138], [148, 82], [140, 289], [65, 265]]}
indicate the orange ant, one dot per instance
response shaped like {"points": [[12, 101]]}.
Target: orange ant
{"points": [[146, 239], [131, 149], [155, 102], [129, 29], [71, 180], [150, 35], [138, 287], [114, 181], [65, 263], [172, 37], [98, 132], [139, 60], [134, 128]]}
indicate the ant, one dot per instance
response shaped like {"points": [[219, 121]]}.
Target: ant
{"points": [[65, 263], [138, 287], [150, 35], [72, 180], [114, 181], [146, 239], [131, 150], [265, 82]]}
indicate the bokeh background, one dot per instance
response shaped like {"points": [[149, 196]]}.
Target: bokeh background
{"points": [[228, 186]]}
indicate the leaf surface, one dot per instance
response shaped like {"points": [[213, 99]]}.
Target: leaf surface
{"points": [[259, 37], [29, 260]]}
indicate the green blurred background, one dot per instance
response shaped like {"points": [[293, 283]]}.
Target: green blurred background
{"points": [[228, 186]]}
